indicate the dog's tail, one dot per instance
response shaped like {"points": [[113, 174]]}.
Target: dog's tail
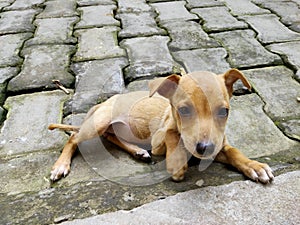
{"points": [[64, 127]]}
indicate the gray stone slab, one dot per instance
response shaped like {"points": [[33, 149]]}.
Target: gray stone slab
{"points": [[25, 4], [291, 128], [148, 56], [96, 80], [53, 31], [278, 90], [17, 21], [6, 74], [204, 3], [139, 24], [188, 35], [288, 11], [295, 27], [10, 48], [58, 8], [244, 7], [170, 11], [235, 203], [25, 129], [97, 16], [212, 59], [97, 43], [5, 3], [244, 50], [95, 2], [31, 173], [269, 29], [138, 85], [218, 19], [252, 131], [133, 6], [290, 52], [43, 64]]}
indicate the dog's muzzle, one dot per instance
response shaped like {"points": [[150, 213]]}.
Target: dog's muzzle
{"points": [[205, 149]]}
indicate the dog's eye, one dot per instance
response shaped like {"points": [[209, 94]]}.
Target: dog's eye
{"points": [[223, 112], [185, 111]]}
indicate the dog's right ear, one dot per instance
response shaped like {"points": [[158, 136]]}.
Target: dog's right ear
{"points": [[164, 86]]}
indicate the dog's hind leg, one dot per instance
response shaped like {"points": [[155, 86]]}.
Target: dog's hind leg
{"points": [[95, 125], [132, 149]]}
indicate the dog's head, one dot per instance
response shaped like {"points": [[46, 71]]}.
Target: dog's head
{"points": [[200, 107]]}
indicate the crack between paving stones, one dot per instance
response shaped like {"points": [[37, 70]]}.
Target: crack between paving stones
{"points": [[276, 121]]}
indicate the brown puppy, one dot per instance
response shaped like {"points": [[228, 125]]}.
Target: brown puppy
{"points": [[189, 114]]}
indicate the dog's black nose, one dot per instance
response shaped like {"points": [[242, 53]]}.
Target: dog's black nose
{"points": [[205, 149]]}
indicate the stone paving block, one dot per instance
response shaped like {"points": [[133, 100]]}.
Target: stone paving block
{"points": [[139, 24], [148, 56], [97, 43], [17, 21], [138, 85], [239, 203], [43, 64], [212, 59], [58, 8], [95, 2], [170, 11], [278, 90], [244, 50], [290, 52], [204, 3], [270, 30], [6, 74], [96, 80], [252, 131], [25, 129], [32, 171], [133, 6], [97, 16], [5, 3], [291, 128], [218, 19], [10, 48], [188, 35], [288, 11], [54, 31], [25, 4], [244, 7]]}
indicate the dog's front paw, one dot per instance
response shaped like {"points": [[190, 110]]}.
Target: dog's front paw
{"points": [[59, 170], [258, 171], [178, 174], [143, 155]]}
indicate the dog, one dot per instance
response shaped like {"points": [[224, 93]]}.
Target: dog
{"points": [[181, 115]]}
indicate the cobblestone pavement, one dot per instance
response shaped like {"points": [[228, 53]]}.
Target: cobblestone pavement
{"points": [[98, 48]]}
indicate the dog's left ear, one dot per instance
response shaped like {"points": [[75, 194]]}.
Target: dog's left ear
{"points": [[231, 76], [164, 86]]}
